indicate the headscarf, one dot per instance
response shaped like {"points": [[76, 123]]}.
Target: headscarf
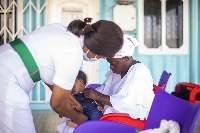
{"points": [[128, 47]]}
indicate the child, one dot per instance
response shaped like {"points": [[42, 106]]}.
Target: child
{"points": [[92, 109]]}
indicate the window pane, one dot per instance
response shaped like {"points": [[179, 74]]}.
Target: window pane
{"points": [[152, 23], [1, 39], [174, 23], [8, 21], [1, 26], [71, 13]]}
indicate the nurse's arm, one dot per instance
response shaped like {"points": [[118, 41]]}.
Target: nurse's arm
{"points": [[50, 86], [60, 103]]}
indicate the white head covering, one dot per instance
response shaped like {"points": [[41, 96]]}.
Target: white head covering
{"points": [[128, 47]]}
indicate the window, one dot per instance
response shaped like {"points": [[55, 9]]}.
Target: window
{"points": [[20, 17], [163, 26], [8, 19], [70, 13]]}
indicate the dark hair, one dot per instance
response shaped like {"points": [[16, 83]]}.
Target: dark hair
{"points": [[105, 39], [76, 27], [82, 75]]}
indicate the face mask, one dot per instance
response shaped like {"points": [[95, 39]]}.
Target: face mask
{"points": [[85, 57]]}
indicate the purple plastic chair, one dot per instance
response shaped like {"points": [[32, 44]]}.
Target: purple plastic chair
{"points": [[164, 78], [94, 126], [162, 82], [94, 86], [169, 107], [164, 106]]}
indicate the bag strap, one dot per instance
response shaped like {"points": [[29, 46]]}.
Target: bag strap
{"points": [[27, 58]]}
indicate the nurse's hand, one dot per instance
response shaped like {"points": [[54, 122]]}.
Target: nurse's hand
{"points": [[79, 108], [92, 94], [75, 104], [60, 103]]}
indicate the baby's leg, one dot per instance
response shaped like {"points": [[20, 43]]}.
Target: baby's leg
{"points": [[71, 123]]}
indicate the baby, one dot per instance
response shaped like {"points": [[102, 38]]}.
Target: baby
{"points": [[92, 109]]}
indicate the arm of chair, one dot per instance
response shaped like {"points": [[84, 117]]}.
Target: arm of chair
{"points": [[125, 119], [193, 94]]}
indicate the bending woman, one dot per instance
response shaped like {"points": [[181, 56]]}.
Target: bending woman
{"points": [[54, 54]]}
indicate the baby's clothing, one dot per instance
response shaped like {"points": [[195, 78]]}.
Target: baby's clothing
{"points": [[89, 106]]}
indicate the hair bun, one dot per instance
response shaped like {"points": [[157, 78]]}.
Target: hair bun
{"points": [[88, 20], [88, 28]]}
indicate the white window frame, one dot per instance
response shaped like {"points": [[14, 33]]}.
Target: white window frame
{"points": [[163, 48]]}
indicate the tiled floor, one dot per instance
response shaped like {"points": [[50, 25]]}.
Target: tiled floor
{"points": [[46, 122], [197, 127]]}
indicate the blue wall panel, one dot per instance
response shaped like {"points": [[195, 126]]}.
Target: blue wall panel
{"points": [[178, 65], [194, 40]]}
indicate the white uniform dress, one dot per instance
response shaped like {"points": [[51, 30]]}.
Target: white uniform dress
{"points": [[133, 94], [58, 54]]}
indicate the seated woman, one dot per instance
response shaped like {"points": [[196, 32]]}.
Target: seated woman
{"points": [[128, 87]]}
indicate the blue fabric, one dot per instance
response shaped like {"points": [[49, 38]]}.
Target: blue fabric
{"points": [[89, 107]]}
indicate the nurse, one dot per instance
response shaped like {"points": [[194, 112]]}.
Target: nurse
{"points": [[53, 54]]}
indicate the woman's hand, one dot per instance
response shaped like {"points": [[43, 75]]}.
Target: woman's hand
{"points": [[60, 103], [92, 94], [79, 108], [75, 104], [97, 96]]}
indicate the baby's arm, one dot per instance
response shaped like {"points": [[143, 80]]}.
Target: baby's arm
{"points": [[100, 106]]}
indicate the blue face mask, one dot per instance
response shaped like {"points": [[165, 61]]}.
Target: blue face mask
{"points": [[85, 57]]}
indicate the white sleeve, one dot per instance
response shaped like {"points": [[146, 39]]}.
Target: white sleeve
{"points": [[67, 65], [136, 95], [111, 79]]}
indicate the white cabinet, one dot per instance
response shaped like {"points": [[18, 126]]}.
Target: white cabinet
{"points": [[125, 17]]}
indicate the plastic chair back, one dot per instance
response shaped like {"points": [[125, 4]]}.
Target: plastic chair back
{"points": [[164, 78], [94, 126], [169, 107], [94, 86]]}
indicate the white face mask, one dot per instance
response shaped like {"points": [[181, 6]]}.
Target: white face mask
{"points": [[85, 57]]}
